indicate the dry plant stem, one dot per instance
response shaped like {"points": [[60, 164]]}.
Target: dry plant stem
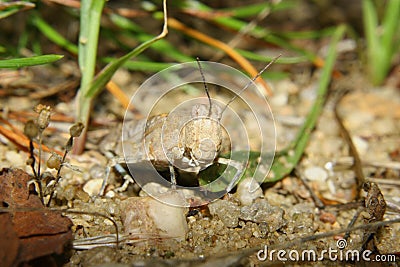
{"points": [[353, 221], [22, 116], [118, 94], [244, 31], [35, 174], [63, 87], [94, 214], [32, 157], [318, 203], [69, 3], [375, 203], [357, 166], [75, 131], [67, 211], [40, 155], [79, 146], [58, 177], [39, 178], [244, 63], [20, 139]]}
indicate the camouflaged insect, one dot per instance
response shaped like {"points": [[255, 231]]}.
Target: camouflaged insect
{"points": [[200, 140], [186, 140]]}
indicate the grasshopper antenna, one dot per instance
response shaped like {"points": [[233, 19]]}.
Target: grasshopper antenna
{"points": [[205, 85], [252, 80]]}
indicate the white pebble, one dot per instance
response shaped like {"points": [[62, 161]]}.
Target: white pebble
{"points": [[279, 99], [164, 216], [152, 189], [315, 174], [110, 194], [357, 120], [360, 144], [248, 190], [93, 186]]}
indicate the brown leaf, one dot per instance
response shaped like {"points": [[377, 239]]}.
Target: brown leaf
{"points": [[9, 241], [32, 231]]}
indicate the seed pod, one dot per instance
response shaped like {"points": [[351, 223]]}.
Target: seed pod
{"points": [[29, 161], [44, 116], [76, 129], [68, 146], [54, 162], [31, 130]]}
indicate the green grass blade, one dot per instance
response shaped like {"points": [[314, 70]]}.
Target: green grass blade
{"points": [[247, 10], [135, 32], [143, 65], [306, 35], [87, 50], [391, 28], [285, 163], [374, 50], [124, 23], [105, 75], [88, 39], [381, 39], [53, 35], [28, 61], [251, 10], [282, 60], [390, 23], [8, 9], [259, 33]]}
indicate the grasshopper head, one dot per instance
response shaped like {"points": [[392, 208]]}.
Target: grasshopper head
{"points": [[201, 137]]}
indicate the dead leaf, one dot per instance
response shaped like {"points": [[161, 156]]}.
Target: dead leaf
{"points": [[30, 230]]}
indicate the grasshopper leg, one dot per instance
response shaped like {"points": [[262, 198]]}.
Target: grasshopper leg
{"points": [[173, 177], [239, 171], [114, 162]]}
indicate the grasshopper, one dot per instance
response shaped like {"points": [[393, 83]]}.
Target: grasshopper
{"points": [[188, 139]]}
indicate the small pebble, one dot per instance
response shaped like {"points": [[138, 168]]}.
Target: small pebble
{"points": [[360, 144], [262, 212], [93, 186], [357, 120], [279, 99], [327, 217], [227, 211], [152, 189], [82, 195], [248, 190], [150, 216], [315, 174]]}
